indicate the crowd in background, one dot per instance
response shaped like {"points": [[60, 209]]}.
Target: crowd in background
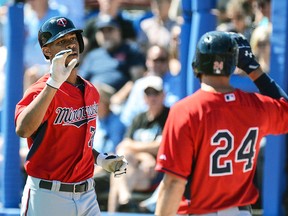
{"points": [[127, 45]]}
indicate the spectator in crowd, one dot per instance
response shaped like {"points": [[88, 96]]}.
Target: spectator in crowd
{"points": [[174, 54], [262, 11], [157, 29], [140, 147], [260, 44], [35, 13], [157, 63], [240, 14], [115, 62], [175, 10], [119, 99], [148, 205], [221, 12], [113, 9]]}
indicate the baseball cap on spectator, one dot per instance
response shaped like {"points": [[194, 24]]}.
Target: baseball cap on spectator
{"points": [[154, 82], [105, 21]]}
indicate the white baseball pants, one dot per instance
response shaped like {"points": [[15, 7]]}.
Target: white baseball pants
{"points": [[44, 202]]}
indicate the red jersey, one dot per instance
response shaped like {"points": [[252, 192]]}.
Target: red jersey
{"points": [[212, 140], [61, 148]]}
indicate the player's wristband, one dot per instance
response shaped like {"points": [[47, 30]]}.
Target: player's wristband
{"points": [[51, 86], [52, 83], [100, 158]]}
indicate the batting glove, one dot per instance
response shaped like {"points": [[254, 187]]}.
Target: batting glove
{"points": [[113, 163], [246, 59], [58, 71]]}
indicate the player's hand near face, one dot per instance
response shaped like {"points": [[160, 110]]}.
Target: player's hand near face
{"points": [[246, 59], [59, 72], [31, 118], [113, 163]]}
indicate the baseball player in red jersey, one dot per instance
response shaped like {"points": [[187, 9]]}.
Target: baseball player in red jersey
{"points": [[57, 115], [211, 138]]}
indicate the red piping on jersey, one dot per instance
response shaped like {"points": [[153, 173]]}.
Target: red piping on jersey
{"points": [[167, 170], [27, 204]]}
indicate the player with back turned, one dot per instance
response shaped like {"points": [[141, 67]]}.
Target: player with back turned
{"points": [[211, 138], [58, 115]]}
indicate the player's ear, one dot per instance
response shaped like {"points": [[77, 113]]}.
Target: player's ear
{"points": [[47, 52]]}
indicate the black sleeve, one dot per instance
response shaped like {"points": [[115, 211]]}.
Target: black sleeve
{"points": [[267, 86]]}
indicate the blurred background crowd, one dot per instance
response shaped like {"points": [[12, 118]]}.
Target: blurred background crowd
{"points": [[132, 57]]}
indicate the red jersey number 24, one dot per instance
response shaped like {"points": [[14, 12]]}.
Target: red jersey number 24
{"points": [[220, 160]]}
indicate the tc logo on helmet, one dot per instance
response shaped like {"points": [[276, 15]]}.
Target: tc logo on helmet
{"points": [[62, 22]]}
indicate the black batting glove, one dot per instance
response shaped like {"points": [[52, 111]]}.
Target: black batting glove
{"points": [[246, 59]]}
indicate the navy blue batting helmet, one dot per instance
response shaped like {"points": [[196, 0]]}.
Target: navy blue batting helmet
{"points": [[57, 27], [216, 54]]}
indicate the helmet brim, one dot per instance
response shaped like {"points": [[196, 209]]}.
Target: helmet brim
{"points": [[61, 34]]}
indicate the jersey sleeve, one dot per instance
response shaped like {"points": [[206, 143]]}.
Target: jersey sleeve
{"points": [[176, 140], [28, 97], [275, 114]]}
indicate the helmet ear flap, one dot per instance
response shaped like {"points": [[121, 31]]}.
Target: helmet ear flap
{"points": [[43, 37], [195, 66], [80, 41]]}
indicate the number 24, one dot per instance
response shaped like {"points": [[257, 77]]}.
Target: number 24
{"points": [[244, 153]]}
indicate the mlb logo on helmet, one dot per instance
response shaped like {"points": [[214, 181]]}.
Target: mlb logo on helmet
{"points": [[62, 22]]}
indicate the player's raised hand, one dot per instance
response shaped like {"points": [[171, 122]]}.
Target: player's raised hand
{"points": [[246, 59], [113, 163], [59, 72]]}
